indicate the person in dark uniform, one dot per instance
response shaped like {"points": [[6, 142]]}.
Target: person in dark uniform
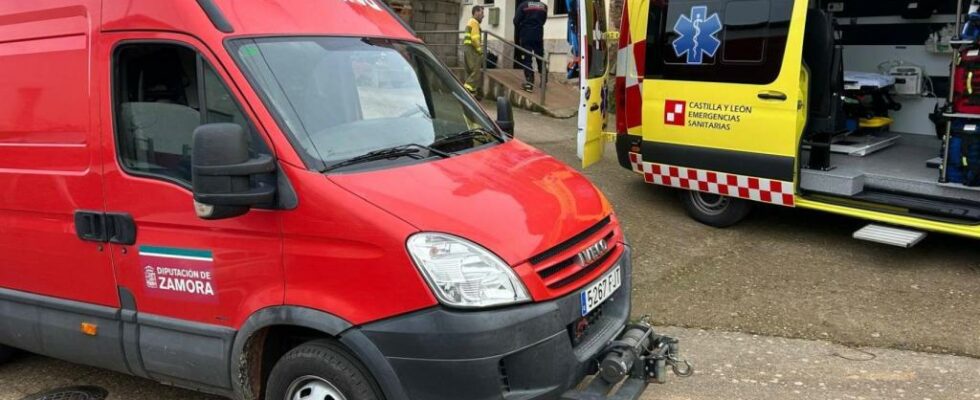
{"points": [[529, 21]]}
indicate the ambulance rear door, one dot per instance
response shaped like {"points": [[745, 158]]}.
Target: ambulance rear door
{"points": [[721, 97], [594, 69]]}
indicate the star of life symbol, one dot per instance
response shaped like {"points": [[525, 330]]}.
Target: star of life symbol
{"points": [[697, 35]]}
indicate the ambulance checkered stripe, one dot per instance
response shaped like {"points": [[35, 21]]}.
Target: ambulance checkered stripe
{"points": [[743, 187]]}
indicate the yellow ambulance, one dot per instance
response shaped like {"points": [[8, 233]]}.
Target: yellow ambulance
{"points": [[739, 102]]}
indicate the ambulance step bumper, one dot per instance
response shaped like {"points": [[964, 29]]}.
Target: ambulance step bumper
{"points": [[890, 235]]}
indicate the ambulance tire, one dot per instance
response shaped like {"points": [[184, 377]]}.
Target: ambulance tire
{"points": [[6, 353], [715, 210], [321, 369]]}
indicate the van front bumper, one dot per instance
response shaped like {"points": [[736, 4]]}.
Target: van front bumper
{"points": [[521, 352]]}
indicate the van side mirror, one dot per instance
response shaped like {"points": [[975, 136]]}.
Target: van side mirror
{"points": [[505, 116], [222, 172]]}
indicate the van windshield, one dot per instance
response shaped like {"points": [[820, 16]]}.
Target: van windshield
{"points": [[341, 98]]}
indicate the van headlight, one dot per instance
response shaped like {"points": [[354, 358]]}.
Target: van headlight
{"points": [[464, 274]]}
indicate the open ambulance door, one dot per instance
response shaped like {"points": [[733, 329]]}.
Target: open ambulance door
{"points": [[722, 106], [594, 67]]}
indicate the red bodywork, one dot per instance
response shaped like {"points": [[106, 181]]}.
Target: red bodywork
{"points": [[342, 250]]}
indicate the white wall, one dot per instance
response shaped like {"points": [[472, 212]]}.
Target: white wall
{"points": [[506, 26]]}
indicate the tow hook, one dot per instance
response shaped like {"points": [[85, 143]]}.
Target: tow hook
{"points": [[639, 357], [640, 353]]}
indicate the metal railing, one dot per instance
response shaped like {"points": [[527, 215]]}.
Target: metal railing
{"points": [[503, 56]]}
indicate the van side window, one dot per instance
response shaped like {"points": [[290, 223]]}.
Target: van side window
{"points": [[162, 93], [733, 41]]}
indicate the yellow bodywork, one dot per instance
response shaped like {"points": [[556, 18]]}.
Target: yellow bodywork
{"points": [[592, 113], [891, 218], [768, 129], [595, 143]]}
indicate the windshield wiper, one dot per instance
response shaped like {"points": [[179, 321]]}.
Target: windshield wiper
{"points": [[465, 135], [391, 152]]}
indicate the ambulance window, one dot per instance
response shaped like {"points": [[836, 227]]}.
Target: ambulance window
{"points": [[743, 23], [736, 41], [655, 28], [597, 53], [162, 93]]}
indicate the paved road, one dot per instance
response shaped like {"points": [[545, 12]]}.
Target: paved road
{"points": [[729, 366], [743, 366], [792, 283]]}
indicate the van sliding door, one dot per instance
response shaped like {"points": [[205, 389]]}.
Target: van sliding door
{"points": [[55, 273]]}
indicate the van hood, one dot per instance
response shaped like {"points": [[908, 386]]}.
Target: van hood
{"points": [[511, 198]]}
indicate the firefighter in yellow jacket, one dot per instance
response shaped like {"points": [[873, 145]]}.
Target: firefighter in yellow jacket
{"points": [[473, 51]]}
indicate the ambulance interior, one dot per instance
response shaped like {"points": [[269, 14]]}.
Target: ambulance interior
{"points": [[880, 81]]}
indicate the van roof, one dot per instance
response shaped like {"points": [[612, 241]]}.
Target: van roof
{"points": [[362, 18]]}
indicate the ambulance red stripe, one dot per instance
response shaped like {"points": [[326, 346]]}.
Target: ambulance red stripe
{"points": [[745, 187]]}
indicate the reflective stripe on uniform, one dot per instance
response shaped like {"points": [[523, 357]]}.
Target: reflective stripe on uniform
{"points": [[472, 35]]}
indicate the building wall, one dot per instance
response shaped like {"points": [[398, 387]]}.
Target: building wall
{"points": [[555, 30], [434, 15]]}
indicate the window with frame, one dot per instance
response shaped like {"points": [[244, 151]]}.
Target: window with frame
{"points": [[162, 93], [597, 54], [732, 41], [560, 7]]}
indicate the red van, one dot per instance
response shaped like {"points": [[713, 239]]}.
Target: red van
{"points": [[290, 200]]}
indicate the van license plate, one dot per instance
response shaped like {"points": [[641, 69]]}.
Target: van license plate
{"points": [[594, 295]]}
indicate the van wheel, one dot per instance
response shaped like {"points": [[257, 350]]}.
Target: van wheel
{"points": [[714, 209], [320, 370]]}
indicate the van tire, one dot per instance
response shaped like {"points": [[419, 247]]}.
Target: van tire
{"points": [[715, 210], [324, 366]]}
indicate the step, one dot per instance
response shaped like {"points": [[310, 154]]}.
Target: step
{"points": [[841, 182], [562, 99], [890, 235]]}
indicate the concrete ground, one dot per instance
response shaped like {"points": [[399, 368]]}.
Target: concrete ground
{"points": [[728, 366], [782, 306]]}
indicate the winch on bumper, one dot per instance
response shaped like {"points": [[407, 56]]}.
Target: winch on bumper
{"points": [[527, 352]]}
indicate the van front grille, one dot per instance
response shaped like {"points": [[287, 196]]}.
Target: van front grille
{"points": [[559, 267], [538, 259]]}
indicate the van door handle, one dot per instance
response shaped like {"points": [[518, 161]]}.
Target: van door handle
{"points": [[120, 228], [97, 226], [90, 226], [773, 95]]}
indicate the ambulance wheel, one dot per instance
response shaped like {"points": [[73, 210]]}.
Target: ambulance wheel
{"points": [[715, 210], [320, 370], [5, 353]]}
